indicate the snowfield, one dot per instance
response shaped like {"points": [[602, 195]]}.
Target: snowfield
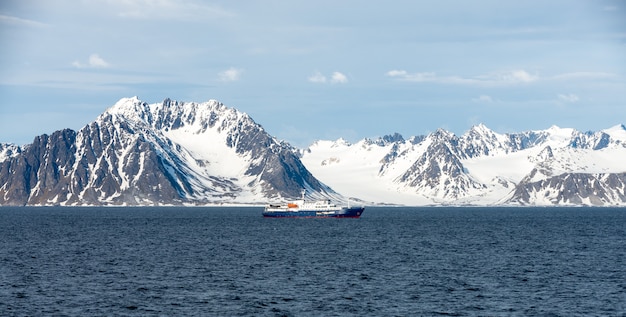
{"points": [[187, 153], [373, 170]]}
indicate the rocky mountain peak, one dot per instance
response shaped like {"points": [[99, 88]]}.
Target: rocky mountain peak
{"points": [[128, 107], [171, 114], [480, 129], [172, 152], [396, 137], [483, 167], [442, 134], [8, 150]]}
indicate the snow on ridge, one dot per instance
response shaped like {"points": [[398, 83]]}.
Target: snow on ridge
{"points": [[368, 169], [617, 132], [8, 150], [480, 128], [125, 106], [194, 126], [559, 137], [200, 140], [341, 142], [172, 114]]}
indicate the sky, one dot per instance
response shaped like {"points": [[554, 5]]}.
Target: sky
{"points": [[310, 70]]}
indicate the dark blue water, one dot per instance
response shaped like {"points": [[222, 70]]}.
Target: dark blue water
{"points": [[391, 262]]}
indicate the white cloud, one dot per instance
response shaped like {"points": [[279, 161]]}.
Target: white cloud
{"points": [[515, 76], [335, 78], [568, 98], [416, 77], [168, 10], [423, 77], [493, 79], [11, 20], [338, 78], [584, 75], [396, 73], [483, 99], [231, 74], [97, 61], [94, 61], [317, 78]]}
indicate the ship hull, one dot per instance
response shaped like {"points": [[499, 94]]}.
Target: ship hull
{"points": [[352, 212]]}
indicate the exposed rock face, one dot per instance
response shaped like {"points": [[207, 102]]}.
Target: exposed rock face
{"points": [[159, 154], [557, 166], [174, 153], [438, 172], [574, 189]]}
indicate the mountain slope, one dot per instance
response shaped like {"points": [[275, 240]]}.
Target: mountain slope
{"points": [[168, 153], [179, 153], [548, 167]]}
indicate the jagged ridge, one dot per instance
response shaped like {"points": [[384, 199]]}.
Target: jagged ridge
{"points": [[174, 152], [480, 167], [144, 154]]}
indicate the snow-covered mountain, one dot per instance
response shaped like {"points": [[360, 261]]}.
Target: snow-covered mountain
{"points": [[8, 150], [186, 153], [151, 154], [557, 166]]}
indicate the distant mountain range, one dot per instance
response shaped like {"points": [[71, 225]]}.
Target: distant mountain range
{"points": [[549, 167], [180, 153]]}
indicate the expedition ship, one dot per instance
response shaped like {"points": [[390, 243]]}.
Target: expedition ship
{"points": [[316, 209]]}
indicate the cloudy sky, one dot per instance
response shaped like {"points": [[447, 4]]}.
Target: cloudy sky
{"points": [[309, 70]]}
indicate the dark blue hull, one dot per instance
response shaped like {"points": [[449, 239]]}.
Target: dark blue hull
{"points": [[352, 212]]}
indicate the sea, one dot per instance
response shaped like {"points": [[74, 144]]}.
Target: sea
{"points": [[393, 261]]}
